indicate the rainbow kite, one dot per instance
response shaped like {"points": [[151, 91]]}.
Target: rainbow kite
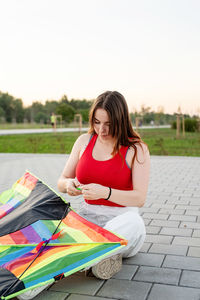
{"points": [[42, 239]]}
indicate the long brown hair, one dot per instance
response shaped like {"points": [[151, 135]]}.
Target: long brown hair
{"points": [[121, 128]]}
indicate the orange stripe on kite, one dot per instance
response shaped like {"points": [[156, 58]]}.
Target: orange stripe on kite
{"points": [[97, 231], [44, 255], [73, 222], [6, 240]]}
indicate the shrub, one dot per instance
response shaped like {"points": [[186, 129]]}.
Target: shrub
{"points": [[191, 125]]}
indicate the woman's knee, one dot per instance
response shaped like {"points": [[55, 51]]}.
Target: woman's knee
{"points": [[128, 225]]}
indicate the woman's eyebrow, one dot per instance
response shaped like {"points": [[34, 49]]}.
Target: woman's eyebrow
{"points": [[95, 119]]}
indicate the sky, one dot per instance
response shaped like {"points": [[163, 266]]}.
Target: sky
{"points": [[148, 50]]}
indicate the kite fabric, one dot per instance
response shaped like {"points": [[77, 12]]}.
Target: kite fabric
{"points": [[42, 239]]}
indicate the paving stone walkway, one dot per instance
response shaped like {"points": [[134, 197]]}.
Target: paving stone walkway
{"points": [[168, 265]]}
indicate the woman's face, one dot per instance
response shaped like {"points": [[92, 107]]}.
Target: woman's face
{"points": [[101, 123]]}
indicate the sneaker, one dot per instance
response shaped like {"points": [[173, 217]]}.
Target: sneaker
{"points": [[108, 267], [32, 293]]}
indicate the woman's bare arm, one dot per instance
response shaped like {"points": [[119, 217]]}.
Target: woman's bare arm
{"points": [[67, 182]]}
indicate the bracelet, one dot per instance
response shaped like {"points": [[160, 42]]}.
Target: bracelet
{"points": [[110, 191]]}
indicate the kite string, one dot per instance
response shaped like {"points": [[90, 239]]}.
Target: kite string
{"points": [[40, 251]]}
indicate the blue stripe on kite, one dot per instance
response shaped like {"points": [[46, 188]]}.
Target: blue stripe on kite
{"points": [[15, 254], [31, 235], [79, 263], [41, 230], [14, 202]]}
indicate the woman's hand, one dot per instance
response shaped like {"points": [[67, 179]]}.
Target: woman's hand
{"points": [[94, 191], [71, 187]]}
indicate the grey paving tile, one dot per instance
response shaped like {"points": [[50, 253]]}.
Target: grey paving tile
{"points": [[196, 233], [158, 239], [78, 285], [145, 259], [83, 297], [192, 225], [193, 212], [182, 218], [185, 202], [166, 292], [168, 249], [49, 295], [171, 211], [190, 278], [188, 207], [126, 290], [194, 251], [126, 272], [152, 229], [186, 194], [148, 210], [145, 247], [164, 206], [176, 231], [157, 200], [166, 223], [181, 262], [195, 201], [158, 275], [155, 216], [146, 221], [188, 241]]}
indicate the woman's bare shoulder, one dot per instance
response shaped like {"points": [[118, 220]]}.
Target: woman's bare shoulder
{"points": [[84, 137], [142, 152], [82, 141]]}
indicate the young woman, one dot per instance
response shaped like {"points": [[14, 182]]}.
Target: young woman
{"points": [[111, 166]]}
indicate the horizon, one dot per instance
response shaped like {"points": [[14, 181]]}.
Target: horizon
{"points": [[149, 52], [160, 108]]}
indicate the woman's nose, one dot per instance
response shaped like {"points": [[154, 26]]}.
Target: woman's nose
{"points": [[102, 127]]}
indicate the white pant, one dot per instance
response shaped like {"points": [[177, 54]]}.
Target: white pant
{"points": [[124, 221]]}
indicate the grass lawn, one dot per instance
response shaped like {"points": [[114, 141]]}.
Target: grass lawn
{"points": [[160, 141], [164, 142]]}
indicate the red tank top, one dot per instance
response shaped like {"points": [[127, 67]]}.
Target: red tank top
{"points": [[113, 172]]}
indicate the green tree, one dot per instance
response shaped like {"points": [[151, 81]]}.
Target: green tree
{"points": [[41, 117], [2, 114], [67, 112], [85, 114], [80, 104], [36, 107], [27, 113], [50, 106], [64, 99], [18, 110], [7, 104]]}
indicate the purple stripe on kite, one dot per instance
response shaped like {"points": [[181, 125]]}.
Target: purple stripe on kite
{"points": [[9, 210], [6, 207], [31, 235]]}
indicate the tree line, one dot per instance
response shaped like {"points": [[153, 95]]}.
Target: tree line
{"points": [[12, 110]]}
